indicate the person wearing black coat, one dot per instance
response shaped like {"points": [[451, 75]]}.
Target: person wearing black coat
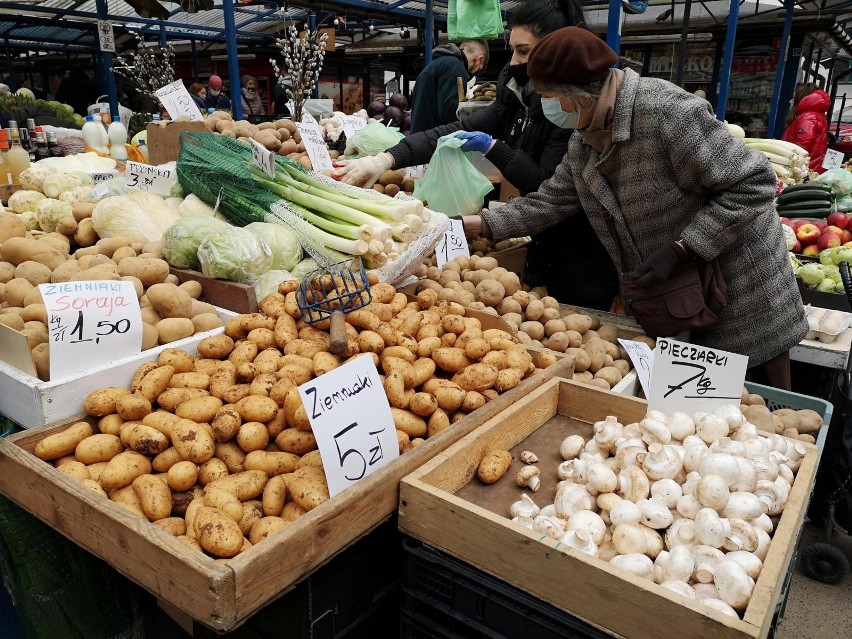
{"points": [[526, 147]]}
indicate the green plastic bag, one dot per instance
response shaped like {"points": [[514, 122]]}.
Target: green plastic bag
{"points": [[452, 185], [373, 139], [474, 19]]}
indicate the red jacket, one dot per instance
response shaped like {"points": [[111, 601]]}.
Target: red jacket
{"points": [[810, 128]]}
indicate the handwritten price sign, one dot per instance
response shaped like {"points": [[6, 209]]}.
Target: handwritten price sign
{"points": [[452, 244], [315, 146], [351, 124], [643, 361], [262, 158], [351, 420], [145, 177], [692, 378], [90, 323], [177, 101]]}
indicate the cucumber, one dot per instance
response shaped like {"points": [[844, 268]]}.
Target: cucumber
{"points": [[806, 204], [804, 196], [804, 187]]}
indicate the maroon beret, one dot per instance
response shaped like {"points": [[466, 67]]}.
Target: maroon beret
{"points": [[571, 55]]}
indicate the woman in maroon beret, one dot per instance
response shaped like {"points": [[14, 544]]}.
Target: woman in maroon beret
{"points": [[664, 185]]}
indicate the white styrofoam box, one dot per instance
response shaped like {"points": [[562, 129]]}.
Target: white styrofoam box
{"points": [[30, 402], [629, 385]]}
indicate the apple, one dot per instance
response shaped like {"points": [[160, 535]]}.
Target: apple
{"points": [[838, 219], [786, 220], [847, 236], [797, 247], [808, 233], [828, 240], [833, 229], [811, 250], [820, 225], [797, 223]]}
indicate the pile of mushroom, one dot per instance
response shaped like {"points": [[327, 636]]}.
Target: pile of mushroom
{"points": [[689, 502]]}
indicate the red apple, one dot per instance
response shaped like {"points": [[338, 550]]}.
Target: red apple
{"points": [[786, 220], [808, 233], [820, 225], [797, 223], [833, 229], [797, 247], [847, 236], [828, 240], [811, 250], [838, 219]]}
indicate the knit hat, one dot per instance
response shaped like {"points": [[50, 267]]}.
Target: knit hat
{"points": [[215, 82], [571, 55], [245, 80]]}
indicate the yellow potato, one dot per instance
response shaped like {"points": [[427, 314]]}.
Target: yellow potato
{"points": [[98, 448], [493, 466], [245, 485], [64, 443], [132, 407], [143, 439], [182, 475], [225, 501], [308, 487], [175, 526], [252, 512], [211, 470], [155, 382], [199, 409], [216, 347], [265, 527], [192, 441], [298, 442], [217, 533], [102, 401], [274, 496], [272, 463], [123, 469], [75, 470], [232, 456], [155, 496], [257, 409], [226, 423], [165, 460]]}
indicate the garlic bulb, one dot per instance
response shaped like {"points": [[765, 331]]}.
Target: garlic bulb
{"points": [[571, 447], [524, 507]]}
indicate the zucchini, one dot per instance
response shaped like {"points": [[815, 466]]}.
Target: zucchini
{"points": [[807, 204], [794, 212], [804, 196], [804, 187]]}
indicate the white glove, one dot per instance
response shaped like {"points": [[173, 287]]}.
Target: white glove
{"points": [[365, 171]]}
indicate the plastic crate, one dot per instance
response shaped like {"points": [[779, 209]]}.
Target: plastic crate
{"points": [[444, 597], [776, 399]]}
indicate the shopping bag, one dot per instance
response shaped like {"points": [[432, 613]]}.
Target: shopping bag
{"points": [[452, 184], [373, 139], [473, 19]]}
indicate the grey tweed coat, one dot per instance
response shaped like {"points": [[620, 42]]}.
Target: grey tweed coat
{"points": [[674, 172]]}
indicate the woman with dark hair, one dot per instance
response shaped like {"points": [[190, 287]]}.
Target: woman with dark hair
{"points": [[198, 93], [514, 134], [807, 125]]}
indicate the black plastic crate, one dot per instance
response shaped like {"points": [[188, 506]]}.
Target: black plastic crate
{"points": [[446, 598]]}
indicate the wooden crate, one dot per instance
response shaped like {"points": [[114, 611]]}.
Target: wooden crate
{"points": [[223, 595], [236, 297], [30, 402], [436, 506]]}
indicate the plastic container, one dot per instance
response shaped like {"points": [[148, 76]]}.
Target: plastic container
{"points": [[444, 597], [776, 398], [93, 135], [117, 134]]}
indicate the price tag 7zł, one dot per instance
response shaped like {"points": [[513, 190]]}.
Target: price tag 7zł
{"points": [[453, 244], [90, 323], [262, 158], [352, 422]]}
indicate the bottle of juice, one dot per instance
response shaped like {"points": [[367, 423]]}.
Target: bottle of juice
{"points": [[17, 158], [5, 175]]}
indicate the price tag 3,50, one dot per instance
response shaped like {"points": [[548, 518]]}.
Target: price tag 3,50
{"points": [[692, 378], [177, 102], [262, 158], [315, 146], [146, 177], [352, 422], [90, 323], [453, 244]]}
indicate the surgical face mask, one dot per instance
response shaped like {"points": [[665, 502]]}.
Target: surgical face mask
{"points": [[519, 73], [214, 92], [250, 92], [552, 109]]}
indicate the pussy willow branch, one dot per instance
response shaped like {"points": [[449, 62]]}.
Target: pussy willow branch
{"points": [[303, 60], [153, 67]]}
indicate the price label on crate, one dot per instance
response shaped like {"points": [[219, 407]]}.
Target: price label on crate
{"points": [[351, 124], [352, 422], [178, 103], [145, 177], [453, 244], [833, 159], [643, 362], [262, 158], [315, 146], [692, 378], [307, 118], [90, 323], [103, 177]]}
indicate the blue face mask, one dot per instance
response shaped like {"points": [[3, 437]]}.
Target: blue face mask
{"points": [[552, 109]]}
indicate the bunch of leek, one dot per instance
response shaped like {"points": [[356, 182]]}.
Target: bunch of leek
{"points": [[788, 160]]}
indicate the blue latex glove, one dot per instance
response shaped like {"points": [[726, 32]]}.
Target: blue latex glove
{"points": [[475, 141]]}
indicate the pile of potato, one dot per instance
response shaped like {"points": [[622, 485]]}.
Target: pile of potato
{"points": [[27, 259], [539, 320], [217, 448], [481, 246], [795, 424], [392, 182]]}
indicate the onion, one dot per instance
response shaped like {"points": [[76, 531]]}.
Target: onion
{"points": [[375, 109], [398, 100], [393, 115]]}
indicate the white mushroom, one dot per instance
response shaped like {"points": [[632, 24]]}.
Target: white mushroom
{"points": [[549, 510], [653, 430], [679, 565], [680, 587], [653, 541], [681, 426], [550, 526], [606, 550], [732, 415], [681, 533], [747, 560], [571, 447], [600, 479], [625, 512], [688, 506], [710, 528], [712, 491], [771, 496], [528, 476], [721, 606], [706, 591], [637, 563], [729, 446], [733, 584], [629, 539], [629, 455], [692, 456], [764, 523], [524, 507], [795, 453], [633, 484], [763, 541], [590, 523], [743, 505], [571, 498], [661, 462], [529, 457], [710, 428], [655, 513], [742, 536], [607, 433], [765, 470], [607, 501], [706, 558], [746, 432], [580, 540], [785, 472], [526, 522], [747, 476], [722, 464], [668, 490]]}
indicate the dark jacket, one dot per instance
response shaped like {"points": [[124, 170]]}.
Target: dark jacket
{"points": [[810, 128], [221, 101], [436, 95], [528, 149]]}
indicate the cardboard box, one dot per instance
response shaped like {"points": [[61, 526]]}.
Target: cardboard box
{"points": [[164, 139], [444, 506]]}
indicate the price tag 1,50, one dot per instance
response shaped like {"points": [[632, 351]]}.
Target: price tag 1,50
{"points": [[452, 244], [177, 101], [90, 323], [146, 177], [262, 158], [692, 378], [315, 146], [352, 422]]}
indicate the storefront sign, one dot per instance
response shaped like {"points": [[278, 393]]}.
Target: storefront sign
{"points": [[146, 177], [452, 245], [352, 422], [692, 378], [90, 323], [177, 101], [315, 146], [643, 362]]}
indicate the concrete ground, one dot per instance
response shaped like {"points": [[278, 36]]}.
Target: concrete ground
{"points": [[816, 610]]}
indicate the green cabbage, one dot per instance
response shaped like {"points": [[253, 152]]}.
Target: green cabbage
{"points": [[182, 239], [268, 282], [282, 241], [236, 255]]}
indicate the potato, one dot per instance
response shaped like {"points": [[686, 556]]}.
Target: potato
{"points": [[143, 439], [252, 512], [257, 409], [252, 436], [165, 460], [175, 526], [155, 496], [132, 407], [409, 423], [34, 272], [265, 527], [809, 421], [216, 347], [610, 374], [274, 496], [507, 379], [150, 336], [450, 359], [204, 322], [75, 470], [17, 250], [298, 442], [155, 382], [225, 501], [172, 329], [308, 487], [493, 466], [63, 443], [245, 485], [122, 469], [272, 463], [103, 401], [98, 448], [217, 533], [199, 409], [231, 455], [192, 441], [477, 377]]}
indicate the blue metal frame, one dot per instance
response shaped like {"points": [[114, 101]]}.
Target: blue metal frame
{"points": [[727, 59], [233, 62], [106, 65], [779, 71], [613, 26], [429, 34]]}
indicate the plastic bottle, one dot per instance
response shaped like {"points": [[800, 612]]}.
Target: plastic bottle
{"points": [[117, 140], [17, 159], [5, 175], [93, 132]]}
